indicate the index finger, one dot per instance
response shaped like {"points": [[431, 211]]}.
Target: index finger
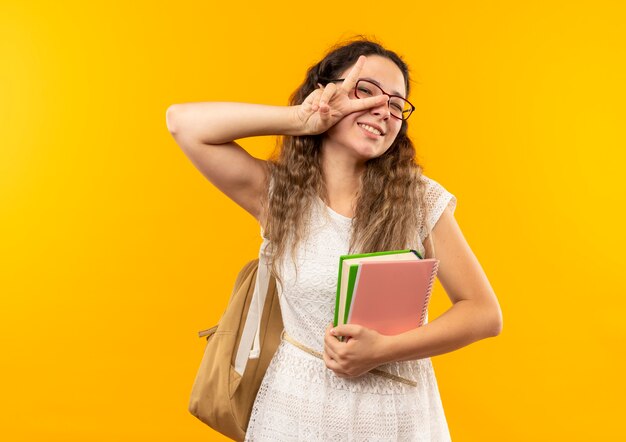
{"points": [[353, 76]]}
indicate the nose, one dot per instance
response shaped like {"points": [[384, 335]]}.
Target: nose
{"points": [[382, 110]]}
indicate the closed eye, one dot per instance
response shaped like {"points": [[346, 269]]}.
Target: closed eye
{"points": [[365, 90]]}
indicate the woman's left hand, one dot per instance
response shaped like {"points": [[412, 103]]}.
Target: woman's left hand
{"points": [[363, 350]]}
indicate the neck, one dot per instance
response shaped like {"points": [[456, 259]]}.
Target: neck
{"points": [[342, 175]]}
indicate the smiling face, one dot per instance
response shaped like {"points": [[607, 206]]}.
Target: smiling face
{"points": [[369, 133]]}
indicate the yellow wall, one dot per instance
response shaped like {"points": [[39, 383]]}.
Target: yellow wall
{"points": [[115, 250]]}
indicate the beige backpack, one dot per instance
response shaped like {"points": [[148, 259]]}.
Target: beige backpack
{"points": [[238, 352]]}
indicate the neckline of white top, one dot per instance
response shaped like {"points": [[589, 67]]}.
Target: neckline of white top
{"points": [[333, 213]]}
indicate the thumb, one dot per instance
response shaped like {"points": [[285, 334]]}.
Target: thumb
{"points": [[346, 330]]}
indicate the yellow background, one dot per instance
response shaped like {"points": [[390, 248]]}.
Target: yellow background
{"points": [[115, 250]]}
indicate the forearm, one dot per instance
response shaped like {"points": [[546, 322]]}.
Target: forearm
{"points": [[222, 122], [465, 322]]}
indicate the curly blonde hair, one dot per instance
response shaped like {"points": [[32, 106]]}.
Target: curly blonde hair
{"points": [[390, 202]]}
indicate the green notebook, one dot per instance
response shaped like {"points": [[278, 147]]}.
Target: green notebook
{"points": [[348, 270]]}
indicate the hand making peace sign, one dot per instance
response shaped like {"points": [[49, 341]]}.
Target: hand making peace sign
{"points": [[325, 106]]}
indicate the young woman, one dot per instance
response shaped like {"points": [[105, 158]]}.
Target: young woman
{"points": [[344, 181]]}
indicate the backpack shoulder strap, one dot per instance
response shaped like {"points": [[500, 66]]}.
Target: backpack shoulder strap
{"points": [[250, 344]]}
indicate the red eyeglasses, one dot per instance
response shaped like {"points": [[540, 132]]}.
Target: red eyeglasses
{"points": [[399, 107]]}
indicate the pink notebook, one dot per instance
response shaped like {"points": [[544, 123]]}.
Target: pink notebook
{"points": [[392, 296]]}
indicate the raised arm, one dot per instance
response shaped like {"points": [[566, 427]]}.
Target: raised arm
{"points": [[207, 132]]}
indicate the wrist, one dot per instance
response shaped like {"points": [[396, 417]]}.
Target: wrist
{"points": [[296, 125], [385, 353]]}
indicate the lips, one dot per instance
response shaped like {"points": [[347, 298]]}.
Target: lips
{"points": [[371, 128]]}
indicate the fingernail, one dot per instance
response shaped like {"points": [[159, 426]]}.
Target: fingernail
{"points": [[332, 331]]}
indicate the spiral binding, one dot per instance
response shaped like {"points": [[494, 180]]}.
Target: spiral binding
{"points": [[433, 275]]}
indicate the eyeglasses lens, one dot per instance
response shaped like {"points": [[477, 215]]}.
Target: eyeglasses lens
{"points": [[398, 107]]}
